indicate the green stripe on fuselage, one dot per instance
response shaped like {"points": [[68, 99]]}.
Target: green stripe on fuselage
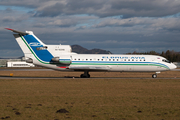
{"points": [[119, 64]]}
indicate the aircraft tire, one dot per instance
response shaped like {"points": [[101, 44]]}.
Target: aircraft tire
{"points": [[88, 76], [82, 76], [85, 76], [154, 76]]}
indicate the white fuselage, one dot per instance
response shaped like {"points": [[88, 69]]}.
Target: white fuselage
{"points": [[113, 62]]}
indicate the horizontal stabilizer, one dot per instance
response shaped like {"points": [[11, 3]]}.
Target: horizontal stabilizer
{"points": [[22, 33]]}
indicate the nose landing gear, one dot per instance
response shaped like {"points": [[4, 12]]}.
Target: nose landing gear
{"points": [[155, 75]]}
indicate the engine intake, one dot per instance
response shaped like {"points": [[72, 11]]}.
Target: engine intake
{"points": [[62, 59]]}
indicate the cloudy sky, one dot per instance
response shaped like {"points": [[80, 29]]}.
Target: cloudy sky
{"points": [[120, 26]]}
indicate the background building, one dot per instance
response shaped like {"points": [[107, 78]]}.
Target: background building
{"points": [[15, 63], [19, 64]]}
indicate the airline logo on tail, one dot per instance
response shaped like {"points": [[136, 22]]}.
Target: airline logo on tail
{"points": [[35, 44]]}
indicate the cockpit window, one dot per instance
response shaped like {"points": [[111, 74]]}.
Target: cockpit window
{"points": [[164, 60]]}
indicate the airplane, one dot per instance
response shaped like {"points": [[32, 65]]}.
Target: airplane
{"points": [[60, 57]]}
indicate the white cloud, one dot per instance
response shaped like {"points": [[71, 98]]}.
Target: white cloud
{"points": [[104, 8], [118, 25]]}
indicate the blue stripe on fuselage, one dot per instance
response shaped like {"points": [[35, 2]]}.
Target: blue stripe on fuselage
{"points": [[118, 62]]}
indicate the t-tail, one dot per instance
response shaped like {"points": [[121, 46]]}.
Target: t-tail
{"points": [[35, 51]]}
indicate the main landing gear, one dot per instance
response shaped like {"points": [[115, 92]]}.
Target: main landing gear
{"points": [[85, 75], [155, 75]]}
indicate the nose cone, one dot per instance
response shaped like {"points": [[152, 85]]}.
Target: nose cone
{"points": [[173, 66]]}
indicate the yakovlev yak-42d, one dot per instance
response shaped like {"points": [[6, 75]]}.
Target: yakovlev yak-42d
{"points": [[60, 57]]}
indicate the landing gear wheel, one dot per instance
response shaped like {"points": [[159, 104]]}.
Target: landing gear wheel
{"points": [[88, 75], [154, 76], [85, 76], [82, 76]]}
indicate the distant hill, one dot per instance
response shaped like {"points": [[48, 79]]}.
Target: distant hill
{"points": [[80, 50]]}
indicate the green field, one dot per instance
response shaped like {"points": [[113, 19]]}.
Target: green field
{"points": [[87, 99]]}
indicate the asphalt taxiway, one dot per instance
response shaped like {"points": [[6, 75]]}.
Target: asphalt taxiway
{"points": [[11, 77], [21, 77]]}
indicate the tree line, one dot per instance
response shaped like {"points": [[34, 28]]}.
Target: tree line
{"points": [[170, 55]]}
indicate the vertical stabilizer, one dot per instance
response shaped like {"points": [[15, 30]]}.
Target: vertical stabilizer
{"points": [[32, 47]]}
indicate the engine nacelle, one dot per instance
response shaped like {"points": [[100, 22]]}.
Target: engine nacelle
{"points": [[63, 60], [29, 60]]}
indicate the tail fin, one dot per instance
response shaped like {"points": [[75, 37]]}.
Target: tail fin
{"points": [[32, 47]]}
